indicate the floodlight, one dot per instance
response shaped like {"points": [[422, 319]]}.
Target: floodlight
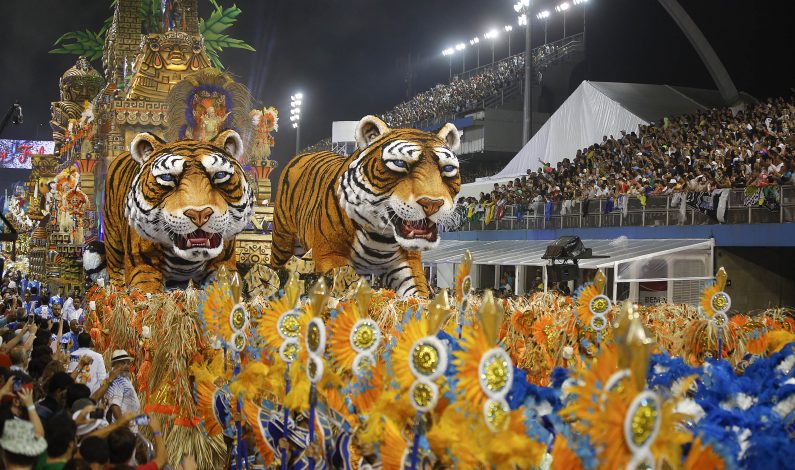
{"points": [[508, 28], [522, 20], [299, 96], [491, 34], [460, 46], [580, 2], [562, 7], [543, 14], [448, 51], [295, 125]]}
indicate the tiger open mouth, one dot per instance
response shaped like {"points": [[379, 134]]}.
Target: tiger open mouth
{"points": [[198, 239], [413, 229]]}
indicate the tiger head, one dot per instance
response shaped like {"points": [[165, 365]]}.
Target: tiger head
{"points": [[189, 196], [403, 182]]}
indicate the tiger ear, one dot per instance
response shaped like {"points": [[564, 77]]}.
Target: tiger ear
{"points": [[143, 145], [449, 135], [368, 130], [230, 141]]}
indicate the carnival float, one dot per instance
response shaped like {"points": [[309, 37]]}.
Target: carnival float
{"points": [[297, 362]]}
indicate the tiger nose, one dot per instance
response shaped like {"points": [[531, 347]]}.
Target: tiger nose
{"points": [[199, 217], [430, 206]]}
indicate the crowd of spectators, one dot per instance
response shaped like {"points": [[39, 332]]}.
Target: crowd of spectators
{"points": [[751, 149], [62, 405], [463, 94], [446, 100]]}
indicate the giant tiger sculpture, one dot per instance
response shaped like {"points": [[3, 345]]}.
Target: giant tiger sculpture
{"points": [[374, 210], [172, 210]]}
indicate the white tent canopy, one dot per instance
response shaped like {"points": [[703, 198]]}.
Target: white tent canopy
{"points": [[594, 110], [529, 252], [632, 260]]}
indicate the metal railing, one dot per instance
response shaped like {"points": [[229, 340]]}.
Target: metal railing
{"points": [[658, 211]]}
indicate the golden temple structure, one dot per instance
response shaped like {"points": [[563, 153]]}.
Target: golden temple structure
{"points": [[96, 119]]}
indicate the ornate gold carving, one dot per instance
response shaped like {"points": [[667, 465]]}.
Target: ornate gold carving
{"points": [[164, 60]]}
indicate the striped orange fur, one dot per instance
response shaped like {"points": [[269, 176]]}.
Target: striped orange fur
{"points": [[375, 210], [172, 210]]}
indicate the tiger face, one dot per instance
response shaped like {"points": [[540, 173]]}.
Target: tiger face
{"points": [[403, 183], [189, 196]]}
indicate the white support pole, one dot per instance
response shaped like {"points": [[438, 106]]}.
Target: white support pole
{"points": [[615, 283], [474, 273], [520, 280], [496, 276], [544, 277]]}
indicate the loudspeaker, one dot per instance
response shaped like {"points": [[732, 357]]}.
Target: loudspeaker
{"points": [[566, 247], [563, 272]]}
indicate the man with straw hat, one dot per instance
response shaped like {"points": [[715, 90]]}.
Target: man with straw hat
{"points": [[121, 397]]}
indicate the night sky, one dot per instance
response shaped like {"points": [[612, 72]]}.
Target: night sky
{"points": [[348, 56]]}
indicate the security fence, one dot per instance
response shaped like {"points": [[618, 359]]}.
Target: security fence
{"points": [[771, 205]]}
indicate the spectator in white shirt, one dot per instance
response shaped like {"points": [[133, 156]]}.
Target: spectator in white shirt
{"points": [[96, 374], [69, 312]]}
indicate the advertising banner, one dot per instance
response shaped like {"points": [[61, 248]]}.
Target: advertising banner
{"points": [[18, 153]]}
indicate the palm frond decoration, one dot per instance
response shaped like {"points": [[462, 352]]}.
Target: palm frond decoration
{"points": [[212, 30], [86, 43], [151, 16], [90, 43]]}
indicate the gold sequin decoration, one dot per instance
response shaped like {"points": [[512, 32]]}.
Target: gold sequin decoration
{"points": [[425, 358], [238, 318], [423, 395], [364, 336], [599, 305], [599, 321], [719, 302], [313, 337], [239, 342], [643, 422], [495, 374], [466, 285], [496, 414], [290, 326]]}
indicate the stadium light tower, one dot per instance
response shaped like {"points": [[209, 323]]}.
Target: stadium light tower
{"points": [[449, 54], [460, 48], [476, 41], [562, 8], [544, 15], [491, 34], [295, 117], [522, 7], [508, 28]]}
